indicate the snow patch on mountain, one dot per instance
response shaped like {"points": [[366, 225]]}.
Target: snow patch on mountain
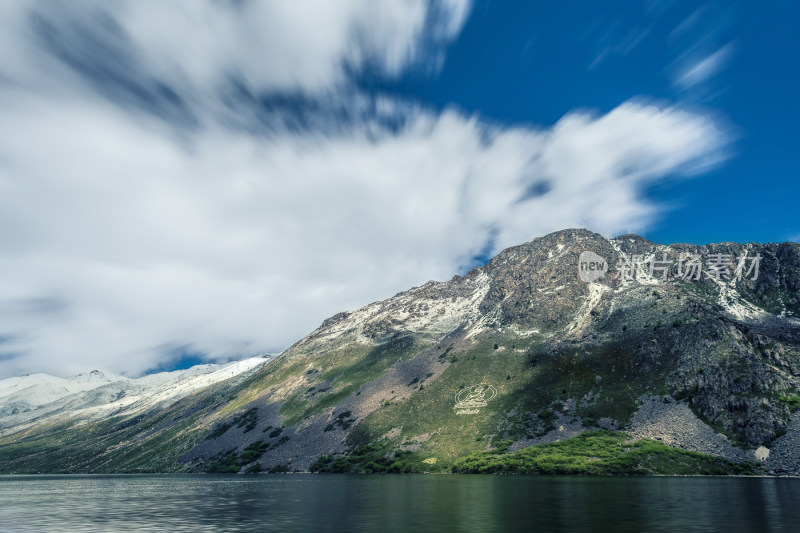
{"points": [[95, 395], [435, 309], [34, 390]]}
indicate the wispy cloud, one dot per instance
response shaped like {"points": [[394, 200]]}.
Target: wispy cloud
{"points": [[689, 23], [613, 43], [697, 70]]}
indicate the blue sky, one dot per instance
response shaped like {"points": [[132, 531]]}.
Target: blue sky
{"points": [[533, 62], [204, 179]]}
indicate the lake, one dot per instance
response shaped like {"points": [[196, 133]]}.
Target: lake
{"points": [[386, 503]]}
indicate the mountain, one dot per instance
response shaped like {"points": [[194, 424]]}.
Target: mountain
{"points": [[31, 391], [36, 399], [571, 353]]}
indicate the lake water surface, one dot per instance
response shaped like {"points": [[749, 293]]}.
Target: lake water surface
{"points": [[407, 503]]}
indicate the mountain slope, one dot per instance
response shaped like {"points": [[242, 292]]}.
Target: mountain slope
{"points": [[39, 398], [34, 390], [516, 353]]}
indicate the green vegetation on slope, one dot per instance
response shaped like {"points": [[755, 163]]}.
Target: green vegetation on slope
{"points": [[145, 443], [344, 371], [533, 383], [600, 453], [372, 459], [591, 453], [792, 402]]}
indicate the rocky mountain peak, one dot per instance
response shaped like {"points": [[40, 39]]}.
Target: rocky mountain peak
{"points": [[568, 331]]}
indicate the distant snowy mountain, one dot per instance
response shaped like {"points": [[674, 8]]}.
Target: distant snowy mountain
{"points": [[34, 390], [39, 398]]}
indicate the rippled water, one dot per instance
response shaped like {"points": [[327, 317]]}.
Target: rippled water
{"points": [[407, 503]]}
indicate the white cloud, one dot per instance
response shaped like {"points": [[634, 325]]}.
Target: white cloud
{"points": [[124, 236], [235, 242], [279, 46]]}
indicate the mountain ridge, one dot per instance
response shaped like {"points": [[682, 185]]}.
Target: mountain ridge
{"points": [[562, 356]]}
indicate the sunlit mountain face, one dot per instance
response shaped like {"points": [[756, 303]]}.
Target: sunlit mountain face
{"points": [[567, 341]]}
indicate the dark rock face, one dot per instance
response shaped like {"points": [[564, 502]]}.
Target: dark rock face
{"points": [[730, 381]]}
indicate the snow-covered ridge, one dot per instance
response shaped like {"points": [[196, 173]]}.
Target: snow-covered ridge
{"points": [[436, 308], [36, 398], [40, 389]]}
